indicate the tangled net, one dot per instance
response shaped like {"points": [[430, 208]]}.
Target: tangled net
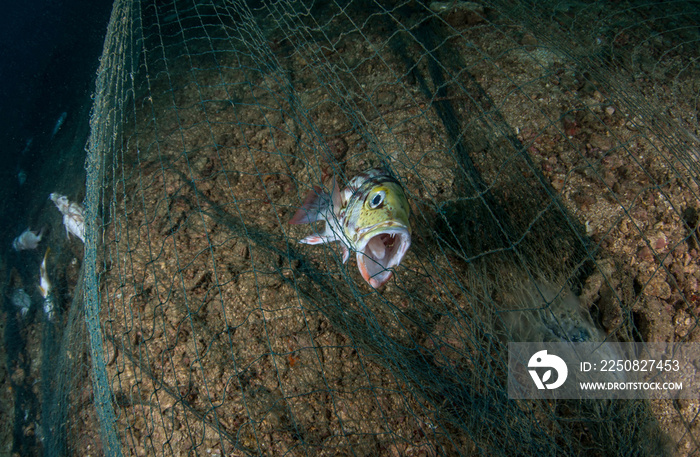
{"points": [[548, 153]]}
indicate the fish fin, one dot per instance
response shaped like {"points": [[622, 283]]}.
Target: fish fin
{"points": [[317, 239], [346, 253], [336, 196], [314, 203]]}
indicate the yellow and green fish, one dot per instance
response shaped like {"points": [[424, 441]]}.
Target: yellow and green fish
{"points": [[369, 216]]}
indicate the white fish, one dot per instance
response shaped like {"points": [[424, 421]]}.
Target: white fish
{"points": [[27, 240], [45, 288], [59, 124], [73, 218], [21, 300]]}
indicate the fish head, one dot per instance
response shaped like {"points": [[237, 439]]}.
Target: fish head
{"points": [[382, 229], [61, 202]]}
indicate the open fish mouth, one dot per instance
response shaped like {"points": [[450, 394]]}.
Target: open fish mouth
{"points": [[382, 252]]}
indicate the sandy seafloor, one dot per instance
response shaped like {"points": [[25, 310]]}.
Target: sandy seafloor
{"points": [[525, 162]]}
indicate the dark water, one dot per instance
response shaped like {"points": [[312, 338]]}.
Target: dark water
{"points": [[49, 51]]}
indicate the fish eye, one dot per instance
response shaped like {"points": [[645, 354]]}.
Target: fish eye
{"points": [[377, 199]]}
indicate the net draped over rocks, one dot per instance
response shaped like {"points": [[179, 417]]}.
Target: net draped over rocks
{"points": [[549, 154]]}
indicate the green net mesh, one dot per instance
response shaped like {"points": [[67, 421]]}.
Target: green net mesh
{"points": [[549, 154]]}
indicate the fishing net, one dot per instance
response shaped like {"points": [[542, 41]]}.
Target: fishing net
{"points": [[549, 154]]}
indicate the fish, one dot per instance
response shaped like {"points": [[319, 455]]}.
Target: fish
{"points": [[73, 218], [59, 123], [21, 300], [27, 145], [370, 217], [45, 288], [27, 240], [21, 176]]}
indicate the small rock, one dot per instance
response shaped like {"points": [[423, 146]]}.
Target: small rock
{"points": [[660, 243], [645, 254], [18, 376], [529, 40], [609, 178], [571, 126], [658, 287], [385, 98], [584, 200], [610, 309], [558, 183], [639, 214], [607, 267], [338, 148], [588, 88], [691, 286], [602, 142]]}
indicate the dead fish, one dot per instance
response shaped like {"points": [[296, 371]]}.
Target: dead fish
{"points": [[45, 288], [370, 216], [73, 218], [27, 240]]}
